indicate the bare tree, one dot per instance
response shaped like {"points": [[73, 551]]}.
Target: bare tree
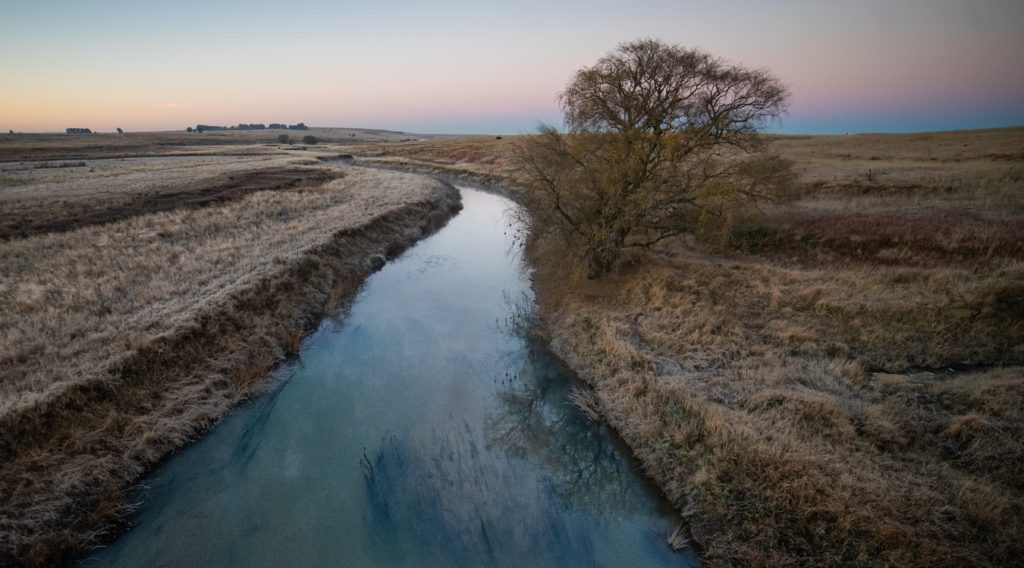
{"points": [[283, 139], [310, 139], [658, 137]]}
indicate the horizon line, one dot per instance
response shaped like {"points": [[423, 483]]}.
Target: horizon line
{"points": [[502, 133]]}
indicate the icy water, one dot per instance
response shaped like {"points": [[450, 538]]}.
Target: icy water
{"points": [[420, 428]]}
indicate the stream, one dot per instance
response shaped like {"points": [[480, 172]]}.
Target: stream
{"points": [[420, 427]]}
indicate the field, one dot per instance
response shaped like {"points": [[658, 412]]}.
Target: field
{"points": [[145, 289], [136, 144], [832, 379]]}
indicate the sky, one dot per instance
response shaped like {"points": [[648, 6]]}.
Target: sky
{"points": [[454, 66]]}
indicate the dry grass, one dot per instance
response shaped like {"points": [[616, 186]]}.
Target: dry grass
{"points": [[121, 341], [22, 147], [901, 200], [40, 199], [839, 380], [786, 412], [480, 158]]}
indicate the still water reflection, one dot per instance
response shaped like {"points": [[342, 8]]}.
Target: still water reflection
{"points": [[420, 429]]}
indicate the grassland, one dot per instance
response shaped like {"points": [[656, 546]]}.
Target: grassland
{"points": [[52, 147], [142, 297], [832, 380]]}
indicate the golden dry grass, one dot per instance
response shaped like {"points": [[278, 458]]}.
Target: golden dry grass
{"points": [[123, 340], [54, 199], [480, 158], [787, 413], [73, 147], [836, 380], [78, 294]]}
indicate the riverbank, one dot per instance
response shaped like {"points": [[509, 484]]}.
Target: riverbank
{"points": [[424, 426], [835, 380], [126, 337]]}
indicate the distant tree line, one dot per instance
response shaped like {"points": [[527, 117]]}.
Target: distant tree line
{"points": [[78, 130], [204, 127]]}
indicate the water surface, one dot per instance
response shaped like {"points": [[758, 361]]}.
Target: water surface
{"points": [[419, 428]]}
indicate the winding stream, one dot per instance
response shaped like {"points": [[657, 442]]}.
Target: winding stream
{"points": [[418, 428]]}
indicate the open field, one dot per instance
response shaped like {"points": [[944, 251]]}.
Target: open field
{"points": [[71, 195], [832, 380], [64, 147], [142, 298], [480, 158]]}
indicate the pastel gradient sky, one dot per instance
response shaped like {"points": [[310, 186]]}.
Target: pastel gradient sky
{"points": [[475, 67]]}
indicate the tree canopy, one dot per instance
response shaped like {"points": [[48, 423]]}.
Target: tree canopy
{"points": [[657, 136]]}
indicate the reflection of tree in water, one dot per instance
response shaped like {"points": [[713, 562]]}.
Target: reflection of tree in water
{"points": [[439, 498], [534, 420], [527, 479]]}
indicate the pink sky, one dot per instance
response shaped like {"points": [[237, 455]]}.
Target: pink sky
{"points": [[469, 67]]}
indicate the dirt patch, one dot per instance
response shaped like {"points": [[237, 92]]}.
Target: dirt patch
{"points": [[224, 188]]}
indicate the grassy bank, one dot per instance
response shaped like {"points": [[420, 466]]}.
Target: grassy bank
{"points": [[127, 336], [834, 380], [52, 146], [483, 159]]}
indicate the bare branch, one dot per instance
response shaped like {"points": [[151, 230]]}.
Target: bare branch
{"points": [[658, 136]]}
